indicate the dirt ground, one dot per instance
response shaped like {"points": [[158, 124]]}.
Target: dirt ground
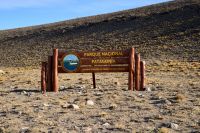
{"points": [[172, 105], [166, 35]]}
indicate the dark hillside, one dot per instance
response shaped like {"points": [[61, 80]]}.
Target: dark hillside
{"points": [[164, 31]]}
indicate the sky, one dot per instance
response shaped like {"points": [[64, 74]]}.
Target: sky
{"points": [[22, 13]]}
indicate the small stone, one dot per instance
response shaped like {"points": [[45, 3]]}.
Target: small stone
{"points": [[24, 130], [148, 89], [140, 95], [2, 130], [174, 126], [65, 105], [99, 87], [2, 72], [89, 102], [46, 105], [98, 94], [20, 113], [87, 129], [116, 83], [167, 102], [157, 62], [24, 92], [103, 114], [158, 117], [62, 87], [80, 93], [80, 87], [113, 106], [73, 106], [106, 124]]}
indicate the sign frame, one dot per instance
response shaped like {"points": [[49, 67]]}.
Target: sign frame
{"points": [[107, 61]]}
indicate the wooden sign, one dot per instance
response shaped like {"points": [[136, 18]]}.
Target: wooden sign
{"points": [[94, 62]]}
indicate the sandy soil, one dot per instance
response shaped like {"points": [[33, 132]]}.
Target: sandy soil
{"points": [[172, 105], [166, 35]]}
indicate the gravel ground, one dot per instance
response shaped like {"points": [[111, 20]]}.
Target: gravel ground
{"points": [[171, 105]]}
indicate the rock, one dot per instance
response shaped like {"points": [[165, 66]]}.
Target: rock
{"points": [[20, 113], [167, 102], [2, 130], [80, 87], [73, 106], [46, 105], [2, 72], [140, 95], [24, 130], [157, 62], [158, 117], [170, 125], [147, 89], [99, 87], [65, 106], [98, 94], [106, 124], [62, 87], [87, 129], [103, 114], [113, 106], [173, 126], [89, 102], [24, 92], [116, 83]]}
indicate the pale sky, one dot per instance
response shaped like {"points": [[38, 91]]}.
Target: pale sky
{"points": [[22, 13]]}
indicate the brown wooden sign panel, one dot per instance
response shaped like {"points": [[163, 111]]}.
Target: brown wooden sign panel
{"points": [[93, 62], [93, 54], [101, 61], [89, 62], [97, 69]]}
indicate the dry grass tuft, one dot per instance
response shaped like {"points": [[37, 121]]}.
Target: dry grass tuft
{"points": [[180, 98], [120, 126], [164, 130], [103, 114]]}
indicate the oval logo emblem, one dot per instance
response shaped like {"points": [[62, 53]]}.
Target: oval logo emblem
{"points": [[71, 62]]}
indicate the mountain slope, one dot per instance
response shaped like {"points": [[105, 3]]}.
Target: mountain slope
{"points": [[164, 31]]}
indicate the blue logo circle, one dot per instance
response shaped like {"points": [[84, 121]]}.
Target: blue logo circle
{"points": [[71, 62]]}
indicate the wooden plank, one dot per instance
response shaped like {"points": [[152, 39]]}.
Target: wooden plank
{"points": [[93, 54], [137, 72], [50, 88], [43, 77], [131, 69], [94, 80], [142, 72], [104, 61], [46, 72], [95, 69], [55, 70]]}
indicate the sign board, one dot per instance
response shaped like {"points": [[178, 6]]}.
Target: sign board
{"points": [[93, 62]]}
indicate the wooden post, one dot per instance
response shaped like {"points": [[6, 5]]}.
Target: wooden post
{"points": [[94, 80], [43, 77], [137, 72], [55, 70], [46, 73], [142, 71], [131, 69], [49, 88]]}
